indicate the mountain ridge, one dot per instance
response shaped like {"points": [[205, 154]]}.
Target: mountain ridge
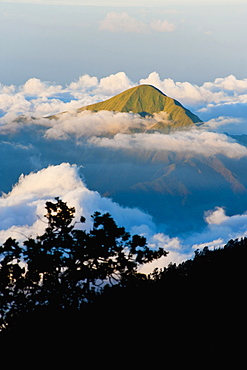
{"points": [[147, 101]]}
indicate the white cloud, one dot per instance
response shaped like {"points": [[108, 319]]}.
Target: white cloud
{"points": [[16, 100], [225, 96], [217, 243], [122, 22], [216, 123], [216, 217], [174, 247], [7, 89], [37, 98], [220, 229], [235, 225], [89, 124], [113, 84], [162, 26], [84, 83], [185, 92], [177, 253], [14, 103], [209, 94], [191, 141], [22, 210], [229, 83], [36, 87], [96, 128]]}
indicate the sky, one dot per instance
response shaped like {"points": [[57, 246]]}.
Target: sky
{"points": [[60, 40]]}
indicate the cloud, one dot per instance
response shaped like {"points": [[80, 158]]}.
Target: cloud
{"points": [[120, 131], [122, 22], [219, 230], [235, 224], [174, 247], [229, 83], [162, 26], [223, 91], [113, 84], [22, 209], [230, 125], [11, 102], [88, 124], [224, 97], [37, 97], [185, 92], [191, 141], [35, 86], [29, 99], [84, 83], [216, 217]]}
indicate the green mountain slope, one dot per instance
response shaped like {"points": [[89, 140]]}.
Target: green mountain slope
{"points": [[147, 100]]}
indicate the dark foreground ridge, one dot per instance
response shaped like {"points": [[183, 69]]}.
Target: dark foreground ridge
{"points": [[197, 308]]}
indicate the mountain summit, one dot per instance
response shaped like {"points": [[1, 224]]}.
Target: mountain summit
{"points": [[147, 100]]}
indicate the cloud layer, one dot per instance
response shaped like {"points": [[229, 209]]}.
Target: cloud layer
{"points": [[191, 141], [40, 98], [22, 209], [89, 124], [22, 214]]}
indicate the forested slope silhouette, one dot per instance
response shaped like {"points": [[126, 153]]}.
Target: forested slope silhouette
{"points": [[80, 288]]}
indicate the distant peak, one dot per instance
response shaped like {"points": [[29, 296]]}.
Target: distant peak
{"points": [[146, 87], [147, 100]]}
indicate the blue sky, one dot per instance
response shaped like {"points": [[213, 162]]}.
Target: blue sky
{"points": [[60, 40]]}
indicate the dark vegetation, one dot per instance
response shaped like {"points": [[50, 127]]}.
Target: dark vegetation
{"points": [[73, 287]]}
